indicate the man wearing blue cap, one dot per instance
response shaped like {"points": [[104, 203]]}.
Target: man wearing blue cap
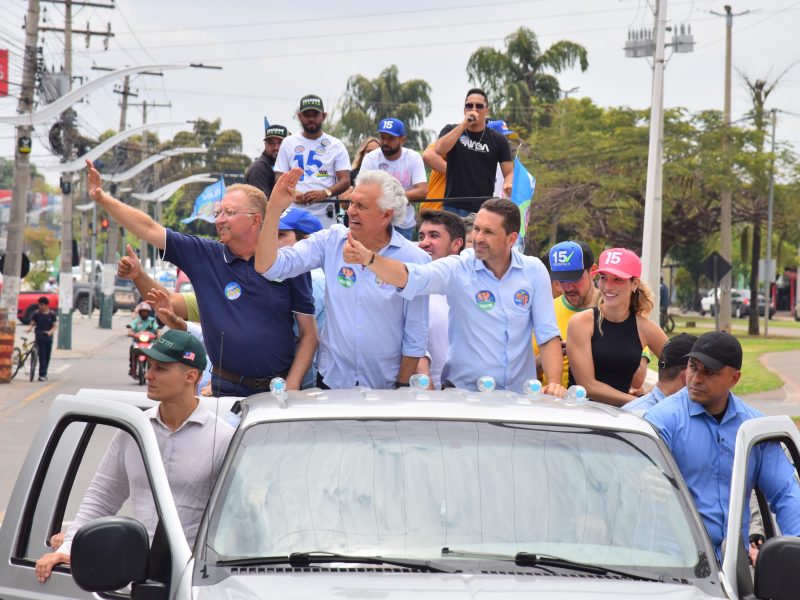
{"points": [[500, 190], [403, 164], [184, 431], [297, 224], [570, 266]]}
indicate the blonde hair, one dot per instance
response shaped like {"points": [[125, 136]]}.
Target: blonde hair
{"points": [[362, 150], [641, 303], [255, 197]]}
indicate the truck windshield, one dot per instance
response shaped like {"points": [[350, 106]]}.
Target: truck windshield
{"points": [[406, 488]]}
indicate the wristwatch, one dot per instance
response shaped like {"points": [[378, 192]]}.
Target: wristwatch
{"points": [[328, 193]]}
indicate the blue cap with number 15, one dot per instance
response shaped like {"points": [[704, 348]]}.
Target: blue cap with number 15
{"points": [[392, 126]]}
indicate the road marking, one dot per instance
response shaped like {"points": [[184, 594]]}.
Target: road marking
{"points": [[27, 400]]}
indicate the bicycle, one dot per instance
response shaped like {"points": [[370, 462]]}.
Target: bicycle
{"points": [[667, 322], [27, 354]]}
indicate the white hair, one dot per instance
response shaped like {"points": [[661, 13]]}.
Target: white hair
{"points": [[393, 196]]}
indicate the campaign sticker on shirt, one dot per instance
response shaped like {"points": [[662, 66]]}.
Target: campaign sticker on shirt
{"points": [[381, 283], [522, 297], [383, 166], [325, 142], [233, 290], [321, 150], [346, 277], [485, 300], [299, 149]]}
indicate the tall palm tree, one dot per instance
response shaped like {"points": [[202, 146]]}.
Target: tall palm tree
{"points": [[516, 79], [367, 101]]}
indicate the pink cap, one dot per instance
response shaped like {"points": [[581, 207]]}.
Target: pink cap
{"points": [[620, 262]]}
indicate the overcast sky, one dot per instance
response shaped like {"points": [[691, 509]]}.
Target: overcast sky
{"points": [[273, 53]]}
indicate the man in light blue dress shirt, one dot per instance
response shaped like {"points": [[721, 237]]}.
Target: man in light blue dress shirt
{"points": [[671, 373], [699, 425], [497, 297], [372, 337]]}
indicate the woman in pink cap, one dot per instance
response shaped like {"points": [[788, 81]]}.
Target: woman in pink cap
{"points": [[605, 344]]}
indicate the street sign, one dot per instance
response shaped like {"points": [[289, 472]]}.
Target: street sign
{"points": [[715, 267]]}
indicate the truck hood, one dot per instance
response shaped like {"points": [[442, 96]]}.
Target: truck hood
{"points": [[408, 586]]}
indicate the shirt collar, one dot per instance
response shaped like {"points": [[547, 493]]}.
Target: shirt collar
{"points": [[734, 407], [200, 416], [516, 261], [229, 256]]}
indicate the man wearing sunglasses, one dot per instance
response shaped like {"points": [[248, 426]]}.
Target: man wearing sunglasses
{"points": [[473, 152]]}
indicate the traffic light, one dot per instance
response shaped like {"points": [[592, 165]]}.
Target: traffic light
{"points": [[104, 225]]}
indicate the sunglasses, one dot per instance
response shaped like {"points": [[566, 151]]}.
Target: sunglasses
{"points": [[477, 106]]}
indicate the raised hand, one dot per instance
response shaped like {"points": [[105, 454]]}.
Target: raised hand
{"points": [[93, 181], [284, 192], [159, 299], [129, 266], [555, 389], [354, 252]]}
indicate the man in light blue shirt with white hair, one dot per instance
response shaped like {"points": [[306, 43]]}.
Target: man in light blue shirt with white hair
{"points": [[497, 297], [372, 337]]}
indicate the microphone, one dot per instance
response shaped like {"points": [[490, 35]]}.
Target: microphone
{"points": [[471, 118]]}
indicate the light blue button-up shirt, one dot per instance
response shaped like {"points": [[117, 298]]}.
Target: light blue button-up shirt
{"points": [[703, 450], [368, 327], [491, 320], [642, 403]]}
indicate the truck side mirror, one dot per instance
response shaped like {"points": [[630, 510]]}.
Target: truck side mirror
{"points": [[777, 576], [109, 553]]}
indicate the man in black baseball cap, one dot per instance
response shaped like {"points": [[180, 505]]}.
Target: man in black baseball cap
{"points": [[671, 372], [699, 425], [261, 173]]}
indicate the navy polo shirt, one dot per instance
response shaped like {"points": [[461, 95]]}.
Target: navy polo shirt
{"points": [[256, 315]]}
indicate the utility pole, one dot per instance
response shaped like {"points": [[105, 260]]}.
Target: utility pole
{"points": [[652, 43], [65, 307], [12, 267], [651, 235], [726, 195], [768, 271]]}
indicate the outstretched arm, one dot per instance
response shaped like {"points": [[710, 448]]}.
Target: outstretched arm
{"points": [[135, 221], [390, 270], [283, 194]]}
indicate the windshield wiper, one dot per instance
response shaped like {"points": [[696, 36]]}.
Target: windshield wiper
{"points": [[305, 559], [525, 559]]}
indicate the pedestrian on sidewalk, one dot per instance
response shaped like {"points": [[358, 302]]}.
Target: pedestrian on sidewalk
{"points": [[45, 321]]}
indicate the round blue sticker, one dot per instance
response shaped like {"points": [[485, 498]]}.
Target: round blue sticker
{"points": [[485, 300], [233, 290], [522, 298], [346, 277]]}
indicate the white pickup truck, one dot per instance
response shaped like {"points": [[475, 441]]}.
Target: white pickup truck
{"points": [[356, 494]]}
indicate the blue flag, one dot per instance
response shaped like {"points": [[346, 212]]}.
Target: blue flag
{"points": [[521, 194], [207, 202]]}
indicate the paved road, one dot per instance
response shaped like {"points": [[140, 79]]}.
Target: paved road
{"points": [[99, 358]]}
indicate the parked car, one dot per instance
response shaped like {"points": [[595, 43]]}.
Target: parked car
{"points": [[126, 296], [395, 494], [707, 301], [741, 305]]}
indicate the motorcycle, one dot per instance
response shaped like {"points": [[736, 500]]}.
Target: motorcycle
{"points": [[141, 341]]}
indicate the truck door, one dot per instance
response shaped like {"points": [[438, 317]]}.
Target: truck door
{"points": [[59, 468]]}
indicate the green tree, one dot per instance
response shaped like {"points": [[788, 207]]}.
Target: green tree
{"points": [[367, 101], [519, 79]]}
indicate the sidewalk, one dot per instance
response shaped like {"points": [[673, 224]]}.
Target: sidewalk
{"points": [[785, 400]]}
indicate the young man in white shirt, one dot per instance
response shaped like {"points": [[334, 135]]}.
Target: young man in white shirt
{"points": [[184, 431]]}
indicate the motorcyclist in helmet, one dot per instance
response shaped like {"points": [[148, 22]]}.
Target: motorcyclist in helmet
{"points": [[143, 321]]}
